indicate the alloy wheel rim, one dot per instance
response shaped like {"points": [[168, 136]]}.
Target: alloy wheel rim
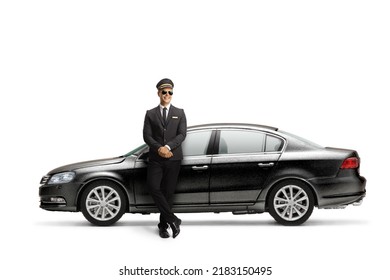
{"points": [[103, 203], [291, 203]]}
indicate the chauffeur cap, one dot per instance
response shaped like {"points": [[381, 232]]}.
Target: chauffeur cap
{"points": [[164, 83]]}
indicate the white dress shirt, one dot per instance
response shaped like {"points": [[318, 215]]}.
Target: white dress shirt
{"points": [[162, 109], [162, 114]]}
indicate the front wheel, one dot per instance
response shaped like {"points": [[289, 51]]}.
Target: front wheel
{"points": [[103, 203], [291, 203]]}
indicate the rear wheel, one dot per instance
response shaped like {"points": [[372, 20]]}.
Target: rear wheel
{"points": [[103, 203], [291, 203]]}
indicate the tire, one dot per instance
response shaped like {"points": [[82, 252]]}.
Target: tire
{"points": [[103, 203], [291, 203]]}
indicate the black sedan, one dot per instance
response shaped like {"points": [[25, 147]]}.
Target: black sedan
{"points": [[238, 168]]}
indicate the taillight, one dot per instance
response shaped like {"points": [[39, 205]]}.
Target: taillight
{"points": [[350, 163]]}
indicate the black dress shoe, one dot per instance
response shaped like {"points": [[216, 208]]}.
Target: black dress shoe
{"points": [[163, 233], [175, 226]]}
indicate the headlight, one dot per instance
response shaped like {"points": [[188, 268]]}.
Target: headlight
{"points": [[62, 178]]}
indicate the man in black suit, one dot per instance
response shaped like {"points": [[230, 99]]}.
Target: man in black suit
{"points": [[165, 128]]}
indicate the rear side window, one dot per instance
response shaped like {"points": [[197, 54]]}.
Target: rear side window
{"points": [[273, 144], [241, 141]]}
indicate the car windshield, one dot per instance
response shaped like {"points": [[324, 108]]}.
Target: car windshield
{"points": [[136, 151]]}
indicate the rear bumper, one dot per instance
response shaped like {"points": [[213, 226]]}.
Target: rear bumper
{"points": [[339, 191], [342, 201]]}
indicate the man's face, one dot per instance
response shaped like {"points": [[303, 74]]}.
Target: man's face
{"points": [[166, 98]]}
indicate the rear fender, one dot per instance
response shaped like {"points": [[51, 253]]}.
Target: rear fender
{"points": [[288, 174]]}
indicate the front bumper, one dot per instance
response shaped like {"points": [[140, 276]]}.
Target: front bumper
{"points": [[62, 197]]}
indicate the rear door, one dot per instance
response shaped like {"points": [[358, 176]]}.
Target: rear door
{"points": [[244, 160]]}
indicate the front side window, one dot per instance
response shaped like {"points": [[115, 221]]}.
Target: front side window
{"points": [[241, 141], [196, 143]]}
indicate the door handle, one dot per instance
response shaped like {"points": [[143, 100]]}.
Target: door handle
{"points": [[200, 168], [269, 164]]}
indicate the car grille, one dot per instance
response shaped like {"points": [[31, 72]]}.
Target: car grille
{"points": [[45, 179]]}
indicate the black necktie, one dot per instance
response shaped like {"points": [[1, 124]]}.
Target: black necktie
{"points": [[165, 116]]}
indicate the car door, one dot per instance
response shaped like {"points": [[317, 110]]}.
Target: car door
{"points": [[193, 183], [194, 177], [242, 165]]}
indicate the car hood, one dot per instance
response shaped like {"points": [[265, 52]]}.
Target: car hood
{"points": [[84, 164]]}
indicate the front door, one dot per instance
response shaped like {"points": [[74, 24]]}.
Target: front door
{"points": [[193, 182]]}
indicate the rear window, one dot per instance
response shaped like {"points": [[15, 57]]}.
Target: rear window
{"points": [[307, 142]]}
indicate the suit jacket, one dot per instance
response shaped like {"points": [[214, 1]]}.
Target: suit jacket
{"points": [[156, 135]]}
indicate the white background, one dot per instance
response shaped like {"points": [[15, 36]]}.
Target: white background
{"points": [[76, 78]]}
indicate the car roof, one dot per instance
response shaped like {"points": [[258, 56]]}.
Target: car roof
{"points": [[295, 142], [232, 125]]}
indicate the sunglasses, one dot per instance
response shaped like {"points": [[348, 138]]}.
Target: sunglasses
{"points": [[165, 92]]}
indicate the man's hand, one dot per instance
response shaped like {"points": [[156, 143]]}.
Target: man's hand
{"points": [[165, 152]]}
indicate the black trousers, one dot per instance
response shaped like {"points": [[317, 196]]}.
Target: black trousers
{"points": [[161, 181]]}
